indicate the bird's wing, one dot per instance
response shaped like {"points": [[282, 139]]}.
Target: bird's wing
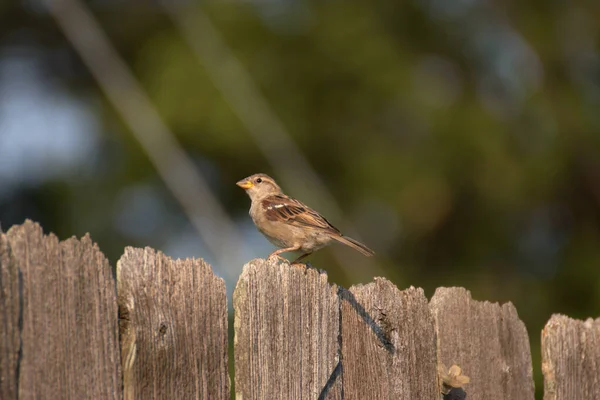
{"points": [[294, 212]]}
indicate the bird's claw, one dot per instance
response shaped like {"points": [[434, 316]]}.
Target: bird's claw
{"points": [[275, 257]]}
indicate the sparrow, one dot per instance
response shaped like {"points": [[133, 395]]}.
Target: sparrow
{"points": [[290, 224]]}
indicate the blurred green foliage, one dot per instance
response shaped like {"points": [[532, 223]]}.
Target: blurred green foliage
{"points": [[462, 138]]}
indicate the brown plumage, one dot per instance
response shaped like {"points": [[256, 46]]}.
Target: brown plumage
{"points": [[288, 223]]}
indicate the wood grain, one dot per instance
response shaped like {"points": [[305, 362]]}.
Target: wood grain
{"points": [[388, 343], [571, 359], [286, 333], [10, 321], [296, 335], [173, 327], [69, 333], [488, 341]]}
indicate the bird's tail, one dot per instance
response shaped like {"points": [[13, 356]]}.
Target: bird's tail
{"points": [[355, 244]]}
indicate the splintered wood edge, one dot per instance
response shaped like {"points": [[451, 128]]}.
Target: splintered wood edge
{"points": [[131, 253], [257, 265], [443, 294], [17, 231], [381, 281]]}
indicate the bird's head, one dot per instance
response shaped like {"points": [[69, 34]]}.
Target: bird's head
{"points": [[259, 186]]}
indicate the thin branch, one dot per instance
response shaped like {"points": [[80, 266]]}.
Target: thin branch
{"points": [[173, 165]]}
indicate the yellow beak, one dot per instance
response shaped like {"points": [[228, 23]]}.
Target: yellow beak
{"points": [[245, 184]]}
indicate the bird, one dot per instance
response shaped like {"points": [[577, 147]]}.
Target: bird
{"points": [[290, 224]]}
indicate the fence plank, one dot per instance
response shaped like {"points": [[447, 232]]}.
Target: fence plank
{"points": [[571, 359], [388, 343], [173, 327], [10, 312], [286, 333], [488, 341], [69, 318]]}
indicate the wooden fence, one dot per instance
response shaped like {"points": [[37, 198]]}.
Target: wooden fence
{"points": [[69, 331]]}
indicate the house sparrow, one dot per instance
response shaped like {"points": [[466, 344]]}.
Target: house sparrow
{"points": [[288, 223]]}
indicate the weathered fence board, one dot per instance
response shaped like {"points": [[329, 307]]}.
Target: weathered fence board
{"points": [[286, 333], [488, 341], [69, 333], [10, 312], [388, 343], [173, 327], [571, 359]]}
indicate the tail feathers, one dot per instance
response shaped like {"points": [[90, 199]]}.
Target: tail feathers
{"points": [[356, 245]]}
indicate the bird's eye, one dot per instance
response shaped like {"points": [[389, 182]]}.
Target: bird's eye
{"points": [[258, 180]]}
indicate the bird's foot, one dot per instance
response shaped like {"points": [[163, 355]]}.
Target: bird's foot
{"points": [[275, 257]]}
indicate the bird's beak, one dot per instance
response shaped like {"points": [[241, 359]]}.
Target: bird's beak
{"points": [[245, 184]]}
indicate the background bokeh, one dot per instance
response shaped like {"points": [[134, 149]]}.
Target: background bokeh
{"points": [[458, 139]]}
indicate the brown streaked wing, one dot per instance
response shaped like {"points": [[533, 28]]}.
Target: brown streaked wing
{"points": [[294, 212]]}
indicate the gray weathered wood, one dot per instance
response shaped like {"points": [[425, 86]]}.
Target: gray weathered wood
{"points": [[296, 335], [69, 335], [388, 343], [173, 327], [571, 359], [286, 333], [488, 341], [10, 311]]}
